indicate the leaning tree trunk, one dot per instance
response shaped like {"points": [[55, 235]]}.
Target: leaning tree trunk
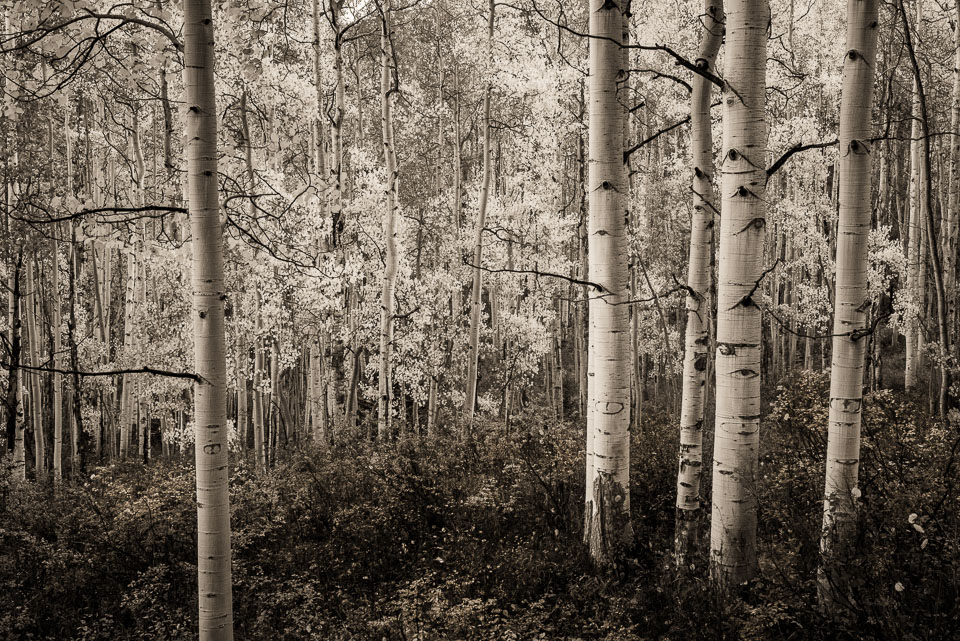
{"points": [[388, 91], [473, 358], [733, 536], [607, 528], [852, 303], [210, 391], [697, 348]]}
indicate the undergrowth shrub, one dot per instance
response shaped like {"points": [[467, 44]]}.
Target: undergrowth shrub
{"points": [[482, 539]]}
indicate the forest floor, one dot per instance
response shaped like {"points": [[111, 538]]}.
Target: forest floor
{"points": [[435, 539]]}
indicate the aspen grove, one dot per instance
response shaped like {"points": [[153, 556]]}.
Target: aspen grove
{"points": [[479, 319]]}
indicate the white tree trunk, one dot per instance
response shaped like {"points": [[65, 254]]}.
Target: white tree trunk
{"points": [[36, 402], [476, 305], [210, 411], [852, 303], [700, 275], [57, 364], [391, 258], [915, 265], [953, 201], [607, 528], [737, 423]]}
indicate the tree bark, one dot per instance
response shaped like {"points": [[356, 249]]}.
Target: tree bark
{"points": [[851, 307], [388, 91], [737, 423], [476, 306], [607, 528], [699, 278], [210, 411]]}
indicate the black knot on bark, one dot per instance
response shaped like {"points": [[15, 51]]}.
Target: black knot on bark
{"points": [[733, 154], [859, 147]]}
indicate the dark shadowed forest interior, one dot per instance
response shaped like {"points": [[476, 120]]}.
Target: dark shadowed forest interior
{"points": [[473, 320]]}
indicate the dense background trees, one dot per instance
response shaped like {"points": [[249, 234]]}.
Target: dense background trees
{"points": [[480, 260]]}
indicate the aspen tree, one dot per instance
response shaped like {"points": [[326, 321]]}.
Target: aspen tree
{"points": [[914, 263], [15, 376], [126, 395], [953, 190], [734, 522], [33, 344], [57, 376], [476, 307], [607, 528], [388, 91], [700, 276], [210, 411], [852, 303]]}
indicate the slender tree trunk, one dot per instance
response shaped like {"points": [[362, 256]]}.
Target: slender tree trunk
{"points": [[15, 377], [57, 364], [476, 306], [953, 200], [388, 91], [126, 395], [213, 498], [851, 307], [607, 528], [33, 344], [930, 226], [700, 275], [734, 524], [914, 233]]}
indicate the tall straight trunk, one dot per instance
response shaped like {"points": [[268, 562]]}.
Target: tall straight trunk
{"points": [[126, 394], [76, 391], [274, 404], [607, 528], [243, 411], [914, 265], [851, 306], [210, 408], [15, 376], [57, 362], [388, 91], [259, 450], [33, 344], [352, 390], [581, 314], [733, 536], [700, 275], [476, 307], [953, 190]]}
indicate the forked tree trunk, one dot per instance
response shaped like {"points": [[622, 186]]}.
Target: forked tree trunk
{"points": [[733, 536], [210, 411], [700, 275], [852, 304], [607, 528], [388, 295], [476, 306]]}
